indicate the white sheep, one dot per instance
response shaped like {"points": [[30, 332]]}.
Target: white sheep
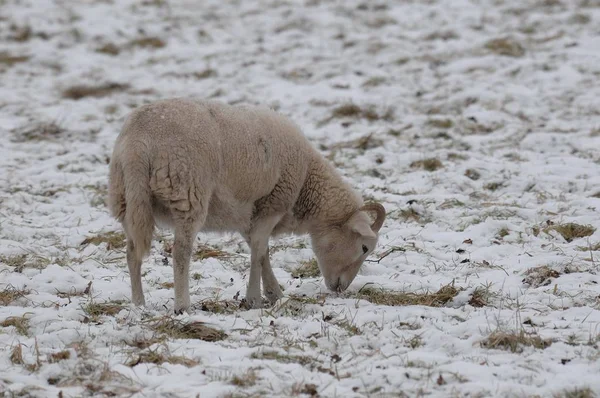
{"points": [[194, 165]]}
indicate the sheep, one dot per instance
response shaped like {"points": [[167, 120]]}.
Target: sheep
{"points": [[194, 165]]}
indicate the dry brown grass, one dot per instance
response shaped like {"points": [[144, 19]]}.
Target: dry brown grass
{"points": [[21, 324], [16, 355], [577, 392], [246, 379], [113, 240], [217, 306], [479, 298], [506, 46], [283, 358], [540, 276], [108, 48], [383, 297], [78, 92], [351, 110], [157, 358], [180, 330], [148, 42], [307, 269], [59, 356], [95, 311], [571, 231], [514, 341], [440, 123], [10, 60], [202, 252], [430, 164], [10, 294], [473, 174]]}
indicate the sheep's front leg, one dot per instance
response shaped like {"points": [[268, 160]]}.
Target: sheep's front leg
{"points": [[182, 251], [270, 284], [258, 240]]}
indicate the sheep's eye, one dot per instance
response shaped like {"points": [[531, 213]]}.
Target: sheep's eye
{"points": [[365, 249]]}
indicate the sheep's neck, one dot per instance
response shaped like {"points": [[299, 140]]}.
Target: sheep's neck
{"points": [[325, 198]]}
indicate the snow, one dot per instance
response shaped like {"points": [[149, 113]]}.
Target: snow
{"points": [[528, 124]]}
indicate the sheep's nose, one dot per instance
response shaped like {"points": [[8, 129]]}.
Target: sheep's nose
{"points": [[334, 285]]}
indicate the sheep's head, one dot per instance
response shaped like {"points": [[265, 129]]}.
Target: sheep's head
{"points": [[341, 250]]}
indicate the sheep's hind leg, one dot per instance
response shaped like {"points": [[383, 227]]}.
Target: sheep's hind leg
{"points": [[270, 285], [182, 251], [258, 240], [135, 274]]}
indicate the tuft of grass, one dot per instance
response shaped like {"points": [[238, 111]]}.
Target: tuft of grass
{"points": [[10, 60], [201, 253], [514, 341], [352, 110], [96, 310], [362, 143], [148, 42], [109, 48], [540, 276], [480, 297], [21, 261], [157, 358], [577, 392], [205, 74], [78, 92], [383, 297], [493, 186], [440, 123], [16, 355], [246, 379], [10, 294], [571, 231], [59, 356], [21, 324], [503, 233], [308, 269], [43, 131], [430, 164], [180, 330], [374, 81], [113, 240], [594, 247], [473, 174], [142, 343], [217, 306], [506, 46], [282, 358]]}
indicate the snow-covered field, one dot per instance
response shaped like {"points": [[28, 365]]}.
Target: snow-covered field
{"points": [[475, 122]]}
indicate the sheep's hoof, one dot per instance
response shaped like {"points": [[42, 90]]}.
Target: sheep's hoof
{"points": [[254, 303], [272, 297]]}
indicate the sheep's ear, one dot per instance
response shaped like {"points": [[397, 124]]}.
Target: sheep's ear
{"points": [[361, 226]]}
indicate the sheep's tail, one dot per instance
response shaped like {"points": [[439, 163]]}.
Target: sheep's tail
{"points": [[130, 202]]}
